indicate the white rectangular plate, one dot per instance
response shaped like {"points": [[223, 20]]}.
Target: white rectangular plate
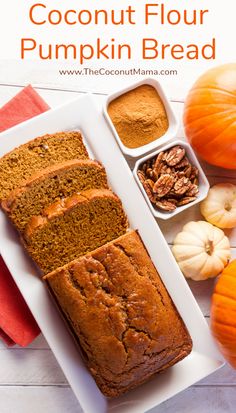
{"points": [[204, 359]]}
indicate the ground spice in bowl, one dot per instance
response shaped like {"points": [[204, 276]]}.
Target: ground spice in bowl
{"points": [[139, 116]]}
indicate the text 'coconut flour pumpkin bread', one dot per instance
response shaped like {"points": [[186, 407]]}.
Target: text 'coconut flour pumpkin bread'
{"points": [[50, 185], [121, 314], [28, 159], [74, 226]]}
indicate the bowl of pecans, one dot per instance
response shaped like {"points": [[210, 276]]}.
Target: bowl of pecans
{"points": [[171, 179]]}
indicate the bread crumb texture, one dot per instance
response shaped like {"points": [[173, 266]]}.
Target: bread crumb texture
{"points": [[74, 226], [26, 160], [51, 185]]}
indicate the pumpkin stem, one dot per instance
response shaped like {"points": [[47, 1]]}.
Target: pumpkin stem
{"points": [[228, 206], [210, 247]]}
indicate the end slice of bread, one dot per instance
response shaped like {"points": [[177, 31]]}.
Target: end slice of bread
{"points": [[50, 185], [26, 160]]}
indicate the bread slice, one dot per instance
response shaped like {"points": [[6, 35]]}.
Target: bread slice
{"points": [[51, 185], [74, 226], [36, 155], [120, 312]]}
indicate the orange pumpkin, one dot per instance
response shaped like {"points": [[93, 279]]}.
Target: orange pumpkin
{"points": [[210, 116], [223, 313]]}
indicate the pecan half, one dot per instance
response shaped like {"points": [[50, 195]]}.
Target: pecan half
{"points": [[158, 160], [149, 191], [141, 176], [172, 194], [194, 173], [174, 155], [179, 174], [166, 205], [146, 166], [186, 200], [172, 200], [165, 169], [183, 163], [188, 171], [149, 172], [154, 175], [182, 186], [150, 182], [192, 191], [163, 185]]}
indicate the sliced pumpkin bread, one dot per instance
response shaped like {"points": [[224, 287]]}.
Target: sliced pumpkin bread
{"points": [[74, 226], [51, 185], [26, 160]]}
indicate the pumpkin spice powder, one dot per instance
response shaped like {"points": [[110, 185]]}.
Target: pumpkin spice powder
{"points": [[139, 116]]}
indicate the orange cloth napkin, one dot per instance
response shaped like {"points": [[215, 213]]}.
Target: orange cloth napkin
{"points": [[17, 325]]}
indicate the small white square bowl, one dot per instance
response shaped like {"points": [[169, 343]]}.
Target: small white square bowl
{"points": [[203, 182], [173, 123]]}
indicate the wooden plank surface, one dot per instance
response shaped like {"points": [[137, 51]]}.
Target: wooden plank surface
{"points": [[31, 376]]}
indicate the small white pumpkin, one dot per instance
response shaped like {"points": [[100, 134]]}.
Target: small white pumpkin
{"points": [[201, 250], [219, 208]]}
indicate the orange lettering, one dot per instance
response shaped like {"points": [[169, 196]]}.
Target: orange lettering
{"points": [[66, 17], [176, 49], [86, 52], [32, 9], [212, 49], [24, 48], [150, 49], [149, 13]]}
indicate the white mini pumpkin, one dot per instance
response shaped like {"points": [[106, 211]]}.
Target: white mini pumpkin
{"points": [[201, 250], [219, 208]]}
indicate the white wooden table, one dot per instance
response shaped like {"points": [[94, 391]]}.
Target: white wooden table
{"points": [[30, 378]]}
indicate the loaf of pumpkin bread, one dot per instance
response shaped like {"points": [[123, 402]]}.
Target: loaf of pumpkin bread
{"points": [[121, 314], [74, 226], [50, 185], [26, 160]]}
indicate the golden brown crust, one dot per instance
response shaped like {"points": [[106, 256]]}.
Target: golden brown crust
{"points": [[121, 313], [38, 139]]}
